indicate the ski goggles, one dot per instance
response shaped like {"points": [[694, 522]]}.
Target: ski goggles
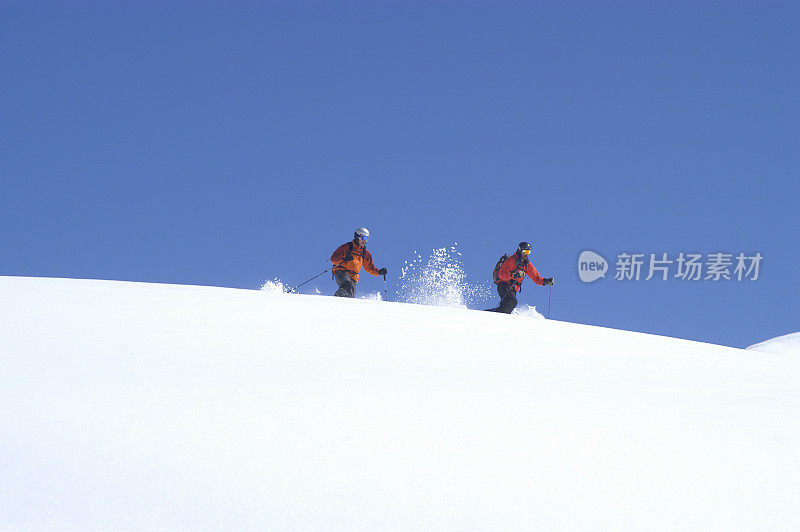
{"points": [[525, 252], [363, 238]]}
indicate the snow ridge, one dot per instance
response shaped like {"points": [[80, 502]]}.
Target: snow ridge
{"points": [[788, 344], [132, 406]]}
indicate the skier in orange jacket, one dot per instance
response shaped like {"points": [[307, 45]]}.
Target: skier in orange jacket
{"points": [[349, 259], [510, 277]]}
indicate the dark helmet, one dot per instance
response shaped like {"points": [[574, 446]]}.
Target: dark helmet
{"points": [[524, 250]]}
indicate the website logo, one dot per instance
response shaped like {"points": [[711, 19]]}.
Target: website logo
{"points": [[682, 266], [591, 266]]}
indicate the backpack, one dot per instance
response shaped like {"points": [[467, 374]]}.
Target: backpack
{"points": [[496, 272], [350, 249]]}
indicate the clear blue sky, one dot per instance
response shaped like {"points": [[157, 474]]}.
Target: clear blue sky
{"points": [[225, 143]]}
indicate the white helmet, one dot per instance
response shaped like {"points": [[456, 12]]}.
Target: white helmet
{"points": [[362, 233]]}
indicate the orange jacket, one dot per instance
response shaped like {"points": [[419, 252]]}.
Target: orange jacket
{"points": [[361, 257], [512, 274]]}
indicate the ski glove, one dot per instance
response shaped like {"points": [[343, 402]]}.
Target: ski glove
{"points": [[383, 271], [547, 281]]}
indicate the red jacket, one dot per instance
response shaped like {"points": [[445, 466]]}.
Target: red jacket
{"points": [[361, 257], [512, 274]]}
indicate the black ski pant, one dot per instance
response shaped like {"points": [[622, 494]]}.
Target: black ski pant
{"points": [[508, 298], [347, 286]]}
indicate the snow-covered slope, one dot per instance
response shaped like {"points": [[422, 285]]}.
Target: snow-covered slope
{"points": [[788, 344], [140, 406]]}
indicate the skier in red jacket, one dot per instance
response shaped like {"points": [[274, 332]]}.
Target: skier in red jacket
{"points": [[511, 273]]}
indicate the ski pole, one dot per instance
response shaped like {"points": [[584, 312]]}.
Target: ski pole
{"points": [[290, 290], [549, 293], [385, 292]]}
